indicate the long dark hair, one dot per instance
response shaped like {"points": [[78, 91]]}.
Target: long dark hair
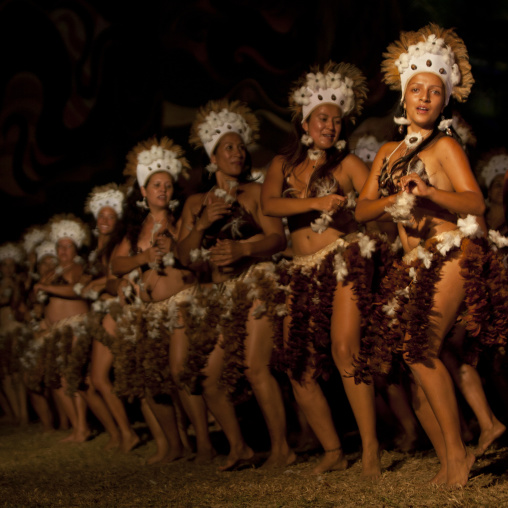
{"points": [[294, 153], [401, 165], [135, 215], [209, 180]]}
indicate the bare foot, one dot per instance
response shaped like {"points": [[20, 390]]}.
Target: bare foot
{"points": [[113, 443], [69, 439], [165, 458], [406, 442], [488, 436], [276, 460], [371, 464], [129, 443], [332, 460], [235, 457], [440, 478], [204, 456], [82, 436], [458, 471]]}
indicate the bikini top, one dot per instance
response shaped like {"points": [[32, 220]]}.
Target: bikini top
{"points": [[388, 180], [239, 224], [305, 219]]}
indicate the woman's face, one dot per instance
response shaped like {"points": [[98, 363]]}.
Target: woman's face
{"points": [[46, 265], [65, 251], [424, 99], [8, 267], [324, 125], [230, 154], [496, 190], [158, 190], [106, 220]]}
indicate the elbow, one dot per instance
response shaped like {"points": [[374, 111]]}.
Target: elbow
{"points": [[482, 208], [360, 215]]}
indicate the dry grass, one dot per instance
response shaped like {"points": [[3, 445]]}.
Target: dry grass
{"points": [[36, 470]]}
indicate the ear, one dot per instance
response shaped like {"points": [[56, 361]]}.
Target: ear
{"points": [[213, 159], [305, 126], [143, 191]]}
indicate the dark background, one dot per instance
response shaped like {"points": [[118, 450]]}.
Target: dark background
{"points": [[83, 81]]}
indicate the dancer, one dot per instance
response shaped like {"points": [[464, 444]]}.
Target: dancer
{"points": [[65, 313], [105, 204], [11, 297], [314, 182], [146, 253], [226, 237], [425, 184]]}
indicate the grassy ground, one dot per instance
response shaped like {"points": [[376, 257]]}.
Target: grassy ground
{"points": [[37, 470]]}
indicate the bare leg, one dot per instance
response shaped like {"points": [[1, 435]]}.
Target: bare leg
{"points": [[76, 411], [99, 408], [172, 447], [432, 429], [470, 384], [6, 408], [9, 388], [259, 346], [101, 362], [41, 407], [223, 410], [22, 399], [436, 381], [401, 408], [63, 419], [312, 402], [158, 435], [194, 405], [345, 331]]}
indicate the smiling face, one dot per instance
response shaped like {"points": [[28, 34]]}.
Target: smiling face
{"points": [[158, 190], [424, 100], [230, 154], [324, 125], [106, 220]]}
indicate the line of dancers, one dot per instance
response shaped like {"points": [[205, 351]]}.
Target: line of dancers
{"points": [[377, 264]]}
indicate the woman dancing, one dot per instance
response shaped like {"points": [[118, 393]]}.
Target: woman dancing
{"points": [[227, 238], [65, 314], [313, 182], [146, 253], [425, 184]]}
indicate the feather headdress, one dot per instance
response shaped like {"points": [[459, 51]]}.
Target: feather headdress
{"points": [[105, 195], [69, 226], [431, 49], [218, 118], [342, 84], [152, 156]]}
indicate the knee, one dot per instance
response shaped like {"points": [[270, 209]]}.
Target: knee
{"points": [[342, 354], [98, 381], [256, 373]]}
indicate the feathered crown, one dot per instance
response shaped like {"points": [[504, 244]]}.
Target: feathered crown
{"points": [[367, 147], [68, 226], [11, 251], [46, 248], [492, 164], [220, 117], [33, 236], [105, 195], [152, 156], [431, 49], [341, 84]]}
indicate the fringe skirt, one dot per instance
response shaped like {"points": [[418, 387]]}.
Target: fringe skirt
{"points": [[357, 259], [401, 311]]}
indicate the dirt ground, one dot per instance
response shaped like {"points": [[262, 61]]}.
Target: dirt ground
{"points": [[37, 470]]}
